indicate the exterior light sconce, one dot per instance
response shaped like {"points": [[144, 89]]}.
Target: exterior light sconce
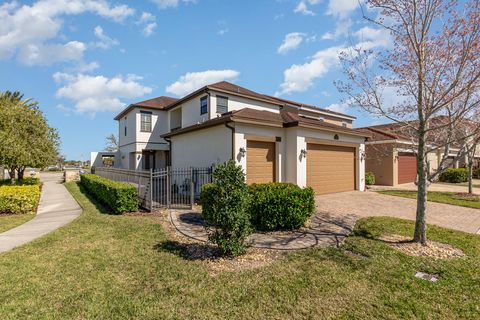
{"points": [[242, 152], [362, 155], [138, 157], [303, 153]]}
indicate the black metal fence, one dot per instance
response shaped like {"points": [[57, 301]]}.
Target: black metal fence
{"points": [[163, 188]]}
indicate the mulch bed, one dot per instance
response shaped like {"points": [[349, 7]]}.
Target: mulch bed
{"points": [[206, 253], [469, 196], [433, 249]]}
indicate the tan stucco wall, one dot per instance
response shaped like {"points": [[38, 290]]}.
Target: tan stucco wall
{"points": [[381, 160]]}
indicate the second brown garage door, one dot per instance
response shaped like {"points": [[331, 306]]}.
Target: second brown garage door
{"points": [[407, 167], [330, 168], [260, 161]]}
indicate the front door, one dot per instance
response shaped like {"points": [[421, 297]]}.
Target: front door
{"points": [[148, 160]]}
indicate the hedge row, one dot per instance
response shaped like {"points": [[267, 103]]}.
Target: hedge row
{"points": [[120, 197], [19, 199], [23, 182], [280, 206]]}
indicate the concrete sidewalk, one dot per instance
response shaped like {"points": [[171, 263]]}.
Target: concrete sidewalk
{"points": [[57, 207]]}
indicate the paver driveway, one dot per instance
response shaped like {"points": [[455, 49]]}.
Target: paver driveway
{"points": [[357, 205]]}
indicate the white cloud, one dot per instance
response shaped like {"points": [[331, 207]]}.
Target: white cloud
{"points": [[195, 80], [341, 8], [223, 27], [341, 107], [341, 11], [149, 23], [164, 4], [40, 54], [291, 42], [300, 77], [92, 94], [104, 41], [27, 30], [303, 9]]}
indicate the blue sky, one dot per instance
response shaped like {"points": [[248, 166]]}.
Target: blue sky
{"points": [[84, 60]]}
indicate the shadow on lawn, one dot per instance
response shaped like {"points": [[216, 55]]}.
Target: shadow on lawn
{"points": [[190, 251]]}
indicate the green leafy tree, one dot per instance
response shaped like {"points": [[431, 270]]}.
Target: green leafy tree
{"points": [[27, 139]]}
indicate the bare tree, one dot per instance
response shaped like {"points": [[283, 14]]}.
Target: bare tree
{"points": [[433, 65], [111, 143]]}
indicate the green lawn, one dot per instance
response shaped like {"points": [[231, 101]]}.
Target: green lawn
{"points": [[117, 267], [435, 196], [11, 221]]}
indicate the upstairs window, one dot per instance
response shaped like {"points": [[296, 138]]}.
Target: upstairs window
{"points": [[344, 124], [222, 104], [145, 121], [125, 126], [203, 105]]}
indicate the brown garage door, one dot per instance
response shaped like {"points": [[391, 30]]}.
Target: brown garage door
{"points": [[407, 167], [260, 161], [330, 168]]}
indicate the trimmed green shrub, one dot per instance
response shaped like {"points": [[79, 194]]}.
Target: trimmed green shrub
{"points": [[118, 196], [454, 175], [23, 182], [19, 199], [280, 206], [225, 209], [369, 178]]}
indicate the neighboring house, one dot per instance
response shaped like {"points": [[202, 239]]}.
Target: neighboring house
{"points": [[271, 138], [390, 155]]}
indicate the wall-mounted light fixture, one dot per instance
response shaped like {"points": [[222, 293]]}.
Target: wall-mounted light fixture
{"points": [[242, 152], [138, 157], [362, 155], [303, 153]]}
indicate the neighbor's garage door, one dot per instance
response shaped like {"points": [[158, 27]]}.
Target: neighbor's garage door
{"points": [[407, 167], [330, 168], [260, 161]]}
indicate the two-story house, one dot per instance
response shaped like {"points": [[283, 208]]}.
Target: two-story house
{"points": [[273, 139]]}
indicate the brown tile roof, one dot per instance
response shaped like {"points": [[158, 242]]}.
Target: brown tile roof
{"points": [[284, 119], [293, 119], [298, 104], [166, 103], [156, 103]]}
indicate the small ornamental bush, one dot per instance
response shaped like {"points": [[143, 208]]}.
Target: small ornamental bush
{"points": [[280, 206], [19, 199], [369, 178], [454, 175], [225, 209], [118, 196]]}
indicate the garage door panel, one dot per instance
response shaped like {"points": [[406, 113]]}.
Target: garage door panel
{"points": [[330, 168], [407, 168], [260, 161]]}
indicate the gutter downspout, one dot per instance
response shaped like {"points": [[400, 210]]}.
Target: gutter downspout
{"points": [[233, 138], [169, 161]]}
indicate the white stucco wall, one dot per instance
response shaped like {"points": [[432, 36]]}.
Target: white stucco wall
{"points": [[202, 148], [190, 111], [237, 103], [96, 158]]}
